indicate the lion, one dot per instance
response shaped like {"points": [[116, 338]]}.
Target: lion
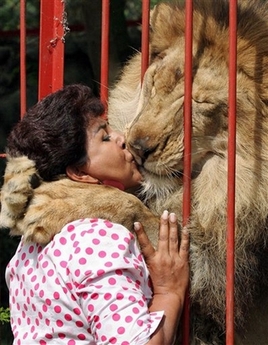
{"points": [[153, 114], [156, 139]]}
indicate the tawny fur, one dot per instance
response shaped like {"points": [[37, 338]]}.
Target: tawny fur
{"points": [[38, 214], [156, 139]]}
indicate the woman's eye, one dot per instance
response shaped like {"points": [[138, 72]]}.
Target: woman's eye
{"points": [[106, 138]]}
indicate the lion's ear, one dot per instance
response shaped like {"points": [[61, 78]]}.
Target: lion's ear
{"points": [[75, 173]]}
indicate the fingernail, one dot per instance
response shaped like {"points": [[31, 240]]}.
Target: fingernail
{"points": [[172, 217], [137, 226], [165, 214]]}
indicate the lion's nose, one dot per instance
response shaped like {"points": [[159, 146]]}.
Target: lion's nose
{"points": [[141, 149]]}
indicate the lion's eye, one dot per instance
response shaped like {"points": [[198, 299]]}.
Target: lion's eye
{"points": [[156, 55]]}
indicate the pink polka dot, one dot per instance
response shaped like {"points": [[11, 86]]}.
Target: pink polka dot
{"points": [[100, 273], [140, 323], [115, 255], [115, 236], [112, 340], [89, 251], [71, 342], [67, 317], [31, 249], [79, 324], [57, 252], [121, 247], [132, 298], [70, 228], [95, 296], [112, 281], [119, 296], [82, 261], [63, 240], [33, 279], [102, 254], [48, 301], [116, 317], [56, 295], [98, 325], [77, 250], [96, 241], [113, 307], [45, 264], [77, 273], [90, 308], [108, 224], [77, 311], [127, 240], [135, 310], [107, 296], [59, 323], [57, 309], [47, 321], [121, 330], [50, 273], [81, 337], [102, 232], [108, 264], [128, 319], [63, 264], [30, 271], [62, 335]]}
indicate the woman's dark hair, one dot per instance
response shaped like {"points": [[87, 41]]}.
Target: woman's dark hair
{"points": [[53, 132]]}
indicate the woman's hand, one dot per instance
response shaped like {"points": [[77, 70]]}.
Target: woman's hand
{"points": [[169, 271]]}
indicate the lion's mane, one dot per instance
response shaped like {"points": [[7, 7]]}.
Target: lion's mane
{"points": [[156, 138]]}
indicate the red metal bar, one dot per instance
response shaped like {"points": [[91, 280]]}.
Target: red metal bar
{"points": [[187, 146], [104, 77], [145, 37], [22, 59], [230, 261], [51, 46]]}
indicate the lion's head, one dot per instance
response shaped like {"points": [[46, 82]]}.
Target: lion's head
{"points": [[156, 135]]}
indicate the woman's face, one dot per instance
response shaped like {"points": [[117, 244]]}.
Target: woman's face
{"points": [[109, 160]]}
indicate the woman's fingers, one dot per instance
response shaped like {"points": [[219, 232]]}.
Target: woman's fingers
{"points": [[184, 244], [163, 236], [145, 245], [173, 233]]}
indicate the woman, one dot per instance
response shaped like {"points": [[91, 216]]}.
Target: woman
{"points": [[90, 284]]}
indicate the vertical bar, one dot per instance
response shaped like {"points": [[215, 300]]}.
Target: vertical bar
{"points": [[51, 46], [230, 261], [187, 145], [22, 59], [145, 37], [104, 77]]}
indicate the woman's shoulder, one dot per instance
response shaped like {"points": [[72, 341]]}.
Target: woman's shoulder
{"points": [[91, 232]]}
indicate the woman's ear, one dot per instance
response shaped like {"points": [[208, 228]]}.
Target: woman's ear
{"points": [[76, 173]]}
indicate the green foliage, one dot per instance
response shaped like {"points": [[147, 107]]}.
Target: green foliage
{"points": [[4, 315], [10, 14]]}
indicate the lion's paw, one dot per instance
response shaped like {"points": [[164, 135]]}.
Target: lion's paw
{"points": [[20, 179]]}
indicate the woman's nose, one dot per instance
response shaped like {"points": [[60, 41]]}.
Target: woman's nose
{"points": [[119, 139]]}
